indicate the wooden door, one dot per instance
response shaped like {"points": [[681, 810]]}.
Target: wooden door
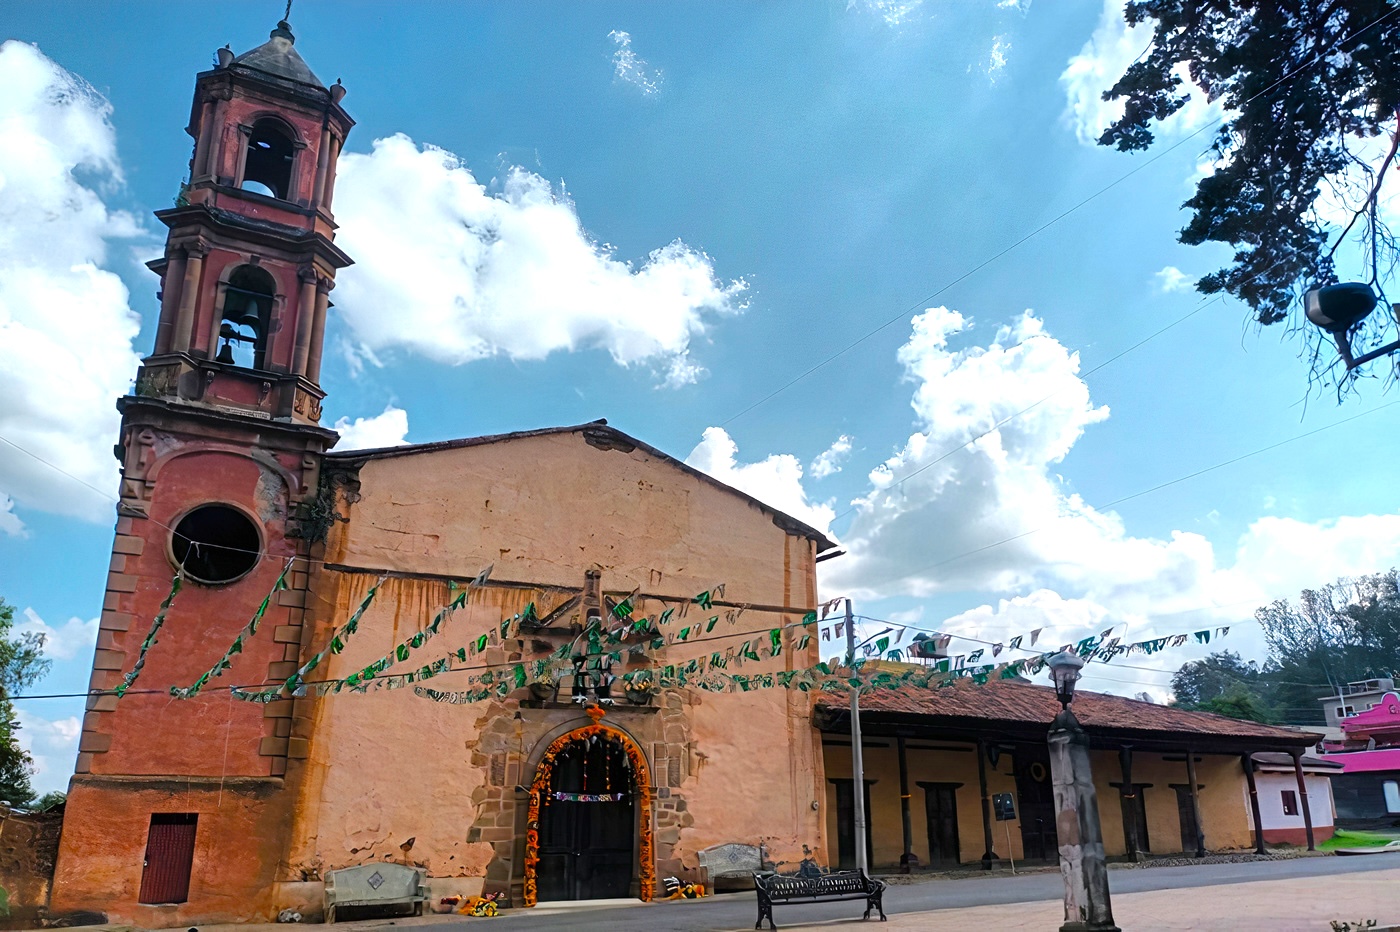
{"points": [[846, 825], [1187, 815], [165, 875], [1036, 799], [941, 811], [587, 825]]}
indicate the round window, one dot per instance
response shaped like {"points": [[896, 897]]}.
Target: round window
{"points": [[216, 544]]}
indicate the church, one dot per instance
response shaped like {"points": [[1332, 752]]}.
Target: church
{"points": [[460, 655]]}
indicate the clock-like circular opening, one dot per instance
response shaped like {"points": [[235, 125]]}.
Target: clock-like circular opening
{"points": [[216, 544]]}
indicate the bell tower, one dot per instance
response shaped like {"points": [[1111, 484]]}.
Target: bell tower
{"points": [[178, 793], [250, 259]]}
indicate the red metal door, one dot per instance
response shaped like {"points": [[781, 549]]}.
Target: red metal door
{"points": [[169, 857]]}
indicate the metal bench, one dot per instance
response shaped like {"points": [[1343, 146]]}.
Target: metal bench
{"points": [[375, 885], [834, 887], [733, 863]]}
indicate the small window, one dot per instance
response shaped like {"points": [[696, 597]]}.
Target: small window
{"points": [[1346, 711], [1392, 796], [267, 168], [248, 298], [1290, 802], [216, 544], [165, 876]]}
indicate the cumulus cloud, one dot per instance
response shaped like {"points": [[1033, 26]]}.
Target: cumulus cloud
{"points": [[1099, 65], [776, 480], [511, 273], [1172, 279], [1020, 6], [53, 744], [370, 433], [828, 462], [57, 302], [73, 639], [631, 68]]}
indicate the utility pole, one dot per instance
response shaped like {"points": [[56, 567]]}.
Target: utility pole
{"points": [[857, 755]]}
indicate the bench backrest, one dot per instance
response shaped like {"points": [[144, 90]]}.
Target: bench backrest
{"points": [[720, 860], [373, 882], [834, 884]]}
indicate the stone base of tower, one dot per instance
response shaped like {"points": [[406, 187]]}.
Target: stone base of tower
{"points": [[238, 832]]}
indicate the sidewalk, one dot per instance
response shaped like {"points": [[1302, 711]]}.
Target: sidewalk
{"points": [[1305, 903]]}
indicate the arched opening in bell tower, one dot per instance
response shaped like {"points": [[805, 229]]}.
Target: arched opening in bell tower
{"points": [[247, 311], [267, 166]]}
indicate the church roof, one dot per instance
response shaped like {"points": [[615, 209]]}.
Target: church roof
{"points": [[598, 434], [278, 57]]}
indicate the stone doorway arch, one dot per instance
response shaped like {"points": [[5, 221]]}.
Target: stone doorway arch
{"points": [[641, 798]]}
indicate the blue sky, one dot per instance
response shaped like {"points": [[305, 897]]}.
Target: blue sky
{"points": [[689, 206]]}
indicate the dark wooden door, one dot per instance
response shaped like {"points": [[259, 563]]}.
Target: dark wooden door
{"points": [[1036, 800], [941, 810], [165, 876], [587, 825], [1187, 815], [1135, 813], [846, 825]]}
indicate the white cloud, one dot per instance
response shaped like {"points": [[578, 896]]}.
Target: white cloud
{"points": [[776, 481], [1171, 279], [631, 68], [73, 639], [1099, 65], [828, 462], [893, 12], [52, 744], [996, 60], [60, 311], [369, 433], [1020, 6], [511, 273]]}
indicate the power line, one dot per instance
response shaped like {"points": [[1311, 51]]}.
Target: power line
{"points": [[1320, 56]]}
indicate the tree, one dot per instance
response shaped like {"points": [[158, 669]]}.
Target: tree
{"points": [[50, 799], [1309, 90], [1221, 673], [1237, 703], [22, 663]]}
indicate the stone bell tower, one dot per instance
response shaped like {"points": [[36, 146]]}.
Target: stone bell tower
{"points": [[177, 805]]}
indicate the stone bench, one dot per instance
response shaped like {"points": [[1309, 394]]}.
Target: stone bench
{"points": [[375, 885], [733, 863], [816, 888]]}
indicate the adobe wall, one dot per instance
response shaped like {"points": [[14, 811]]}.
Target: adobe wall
{"points": [[28, 847], [380, 768]]}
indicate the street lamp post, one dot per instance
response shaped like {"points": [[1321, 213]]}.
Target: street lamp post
{"points": [[857, 749], [1336, 309], [1082, 861]]}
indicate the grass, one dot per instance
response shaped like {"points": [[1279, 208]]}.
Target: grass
{"points": [[1345, 838]]}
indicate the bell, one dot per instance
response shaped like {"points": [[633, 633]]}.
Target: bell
{"points": [[225, 353]]}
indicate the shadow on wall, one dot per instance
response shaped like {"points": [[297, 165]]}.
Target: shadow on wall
{"points": [[28, 849]]}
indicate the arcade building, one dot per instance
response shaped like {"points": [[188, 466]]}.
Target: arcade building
{"points": [[208, 808]]}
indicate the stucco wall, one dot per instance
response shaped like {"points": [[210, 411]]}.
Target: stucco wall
{"points": [[1224, 815], [1283, 827], [388, 766]]}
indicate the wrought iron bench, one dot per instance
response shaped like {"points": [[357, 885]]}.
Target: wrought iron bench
{"points": [[804, 887], [734, 863], [375, 885]]}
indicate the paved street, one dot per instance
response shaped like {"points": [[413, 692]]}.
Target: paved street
{"points": [[738, 911]]}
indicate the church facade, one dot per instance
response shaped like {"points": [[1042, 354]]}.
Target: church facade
{"points": [[457, 655]]}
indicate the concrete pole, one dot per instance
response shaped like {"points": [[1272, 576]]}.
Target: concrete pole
{"points": [[857, 752], [1082, 861]]}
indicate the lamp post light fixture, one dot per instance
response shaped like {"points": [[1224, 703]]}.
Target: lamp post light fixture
{"points": [[1338, 308], [1082, 862]]}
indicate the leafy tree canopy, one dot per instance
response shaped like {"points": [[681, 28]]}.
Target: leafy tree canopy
{"points": [[1309, 89], [1345, 631]]}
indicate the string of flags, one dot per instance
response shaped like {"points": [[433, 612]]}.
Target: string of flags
{"points": [[250, 629], [150, 639]]}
